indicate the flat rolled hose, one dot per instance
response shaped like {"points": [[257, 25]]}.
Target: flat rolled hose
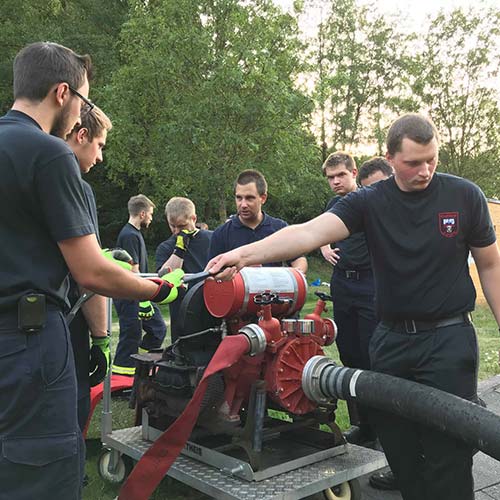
{"points": [[323, 380]]}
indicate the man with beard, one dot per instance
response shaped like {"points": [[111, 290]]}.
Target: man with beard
{"points": [[87, 140], [45, 231], [420, 227], [136, 316]]}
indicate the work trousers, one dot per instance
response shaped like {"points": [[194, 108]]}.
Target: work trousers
{"points": [[42, 454], [81, 349], [354, 315], [131, 328], [428, 464]]}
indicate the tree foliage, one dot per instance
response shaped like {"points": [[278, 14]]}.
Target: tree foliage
{"points": [[456, 80], [206, 89], [199, 90], [358, 67]]}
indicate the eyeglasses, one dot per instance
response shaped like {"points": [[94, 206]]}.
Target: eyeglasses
{"points": [[88, 105]]}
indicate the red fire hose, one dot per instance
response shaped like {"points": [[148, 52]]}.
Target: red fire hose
{"points": [[155, 463]]}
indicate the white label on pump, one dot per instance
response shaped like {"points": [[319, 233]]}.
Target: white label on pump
{"points": [[268, 279]]}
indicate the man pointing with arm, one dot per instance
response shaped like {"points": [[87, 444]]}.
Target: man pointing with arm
{"points": [[420, 227]]}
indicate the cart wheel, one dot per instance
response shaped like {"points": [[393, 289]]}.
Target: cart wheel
{"points": [[119, 473], [350, 490]]}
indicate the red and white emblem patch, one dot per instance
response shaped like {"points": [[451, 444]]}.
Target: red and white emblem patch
{"points": [[448, 224]]}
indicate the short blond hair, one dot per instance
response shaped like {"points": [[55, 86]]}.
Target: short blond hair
{"points": [[179, 207], [95, 121]]}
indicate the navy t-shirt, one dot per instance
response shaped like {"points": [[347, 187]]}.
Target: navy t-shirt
{"points": [[353, 250], [233, 234], [196, 257], [419, 243], [74, 293], [195, 260], [131, 240], [42, 202]]}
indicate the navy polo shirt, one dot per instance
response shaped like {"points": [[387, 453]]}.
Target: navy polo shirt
{"points": [[42, 202], [233, 234]]}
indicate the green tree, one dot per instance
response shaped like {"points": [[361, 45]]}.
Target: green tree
{"points": [[456, 80], [83, 25], [207, 88], [359, 77]]}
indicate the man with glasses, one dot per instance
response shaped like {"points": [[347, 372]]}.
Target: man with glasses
{"points": [[45, 231]]}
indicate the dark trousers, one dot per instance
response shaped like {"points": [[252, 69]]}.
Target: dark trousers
{"points": [[81, 350], [354, 315], [428, 464], [42, 448], [131, 328]]}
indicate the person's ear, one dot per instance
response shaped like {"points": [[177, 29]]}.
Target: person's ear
{"points": [[82, 135], [61, 92], [263, 198]]}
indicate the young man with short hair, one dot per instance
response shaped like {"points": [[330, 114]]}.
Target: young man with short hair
{"points": [[352, 289], [187, 248], [134, 317], [250, 223], [87, 140], [46, 231], [420, 227], [373, 170]]}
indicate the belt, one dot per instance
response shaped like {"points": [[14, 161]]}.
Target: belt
{"points": [[411, 326], [352, 274]]}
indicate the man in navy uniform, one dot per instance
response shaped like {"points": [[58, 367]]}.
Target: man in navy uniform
{"points": [[134, 316], [186, 249], [87, 140], [46, 231], [250, 223], [420, 227], [352, 287]]}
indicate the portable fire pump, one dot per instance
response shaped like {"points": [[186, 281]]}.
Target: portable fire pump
{"points": [[237, 429]]}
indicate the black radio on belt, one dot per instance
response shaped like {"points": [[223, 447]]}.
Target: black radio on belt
{"points": [[32, 312]]}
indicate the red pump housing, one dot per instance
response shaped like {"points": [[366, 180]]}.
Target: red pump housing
{"points": [[289, 344]]}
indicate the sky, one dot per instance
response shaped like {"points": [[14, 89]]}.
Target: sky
{"points": [[414, 12]]}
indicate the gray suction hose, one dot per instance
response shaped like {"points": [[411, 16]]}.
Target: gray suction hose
{"points": [[323, 381]]}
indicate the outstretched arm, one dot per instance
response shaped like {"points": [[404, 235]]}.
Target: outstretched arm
{"points": [[282, 245]]}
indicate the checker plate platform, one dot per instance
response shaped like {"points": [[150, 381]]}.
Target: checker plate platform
{"points": [[287, 486]]}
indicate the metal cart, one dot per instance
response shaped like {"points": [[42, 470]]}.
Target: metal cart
{"points": [[337, 474]]}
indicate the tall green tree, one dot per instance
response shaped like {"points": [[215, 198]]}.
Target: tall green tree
{"points": [[86, 26], [456, 80], [207, 88], [359, 77]]}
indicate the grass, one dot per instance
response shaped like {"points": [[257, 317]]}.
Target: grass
{"points": [[171, 489]]}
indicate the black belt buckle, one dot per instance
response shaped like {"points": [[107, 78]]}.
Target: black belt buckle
{"points": [[352, 275], [32, 312], [410, 326]]}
